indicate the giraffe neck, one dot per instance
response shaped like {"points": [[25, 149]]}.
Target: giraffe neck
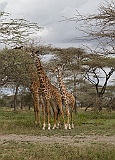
{"points": [[61, 85], [44, 81], [40, 70]]}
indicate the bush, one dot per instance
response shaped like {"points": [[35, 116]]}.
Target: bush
{"points": [[2, 102]]}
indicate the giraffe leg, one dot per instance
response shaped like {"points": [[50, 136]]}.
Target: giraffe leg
{"points": [[44, 117], [52, 103], [38, 115], [72, 113], [35, 114], [55, 114], [65, 126], [69, 126], [44, 126], [36, 107], [72, 124], [62, 113], [58, 121], [48, 113], [35, 118], [68, 118], [66, 113]]}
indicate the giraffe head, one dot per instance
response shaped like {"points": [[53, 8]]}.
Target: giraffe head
{"points": [[35, 56], [35, 53], [59, 70]]}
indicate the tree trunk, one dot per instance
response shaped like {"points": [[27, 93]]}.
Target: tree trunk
{"points": [[21, 105], [98, 103], [89, 106], [29, 106], [15, 97]]}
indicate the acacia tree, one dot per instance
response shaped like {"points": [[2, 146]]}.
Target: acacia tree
{"points": [[99, 27], [16, 32], [70, 60], [99, 71], [13, 72]]}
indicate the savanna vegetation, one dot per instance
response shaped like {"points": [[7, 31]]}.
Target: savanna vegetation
{"points": [[87, 126], [87, 73]]}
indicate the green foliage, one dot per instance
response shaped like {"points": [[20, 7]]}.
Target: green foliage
{"points": [[2, 102], [97, 61], [16, 32], [78, 65], [27, 100], [13, 67]]}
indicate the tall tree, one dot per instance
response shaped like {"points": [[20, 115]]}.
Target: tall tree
{"points": [[71, 60], [98, 72], [16, 32], [13, 71], [99, 27]]}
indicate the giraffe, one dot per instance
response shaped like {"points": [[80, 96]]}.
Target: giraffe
{"points": [[36, 93], [50, 93], [34, 86], [67, 98]]}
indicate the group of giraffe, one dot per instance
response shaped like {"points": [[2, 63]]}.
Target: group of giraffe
{"points": [[49, 97], [46, 94]]}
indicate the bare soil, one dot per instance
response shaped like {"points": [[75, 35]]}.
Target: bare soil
{"points": [[77, 140]]}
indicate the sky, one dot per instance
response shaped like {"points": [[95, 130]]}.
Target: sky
{"points": [[49, 15]]}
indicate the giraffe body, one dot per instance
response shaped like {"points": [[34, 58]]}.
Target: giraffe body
{"points": [[36, 93], [50, 93], [68, 100]]}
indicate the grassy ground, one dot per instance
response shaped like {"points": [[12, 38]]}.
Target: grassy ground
{"points": [[22, 122], [86, 123], [34, 151]]}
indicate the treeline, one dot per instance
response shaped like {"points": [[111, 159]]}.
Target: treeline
{"points": [[88, 76]]}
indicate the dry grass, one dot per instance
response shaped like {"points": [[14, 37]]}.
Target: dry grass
{"points": [[12, 150]]}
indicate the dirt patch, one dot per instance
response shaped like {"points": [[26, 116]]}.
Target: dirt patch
{"points": [[74, 141]]}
